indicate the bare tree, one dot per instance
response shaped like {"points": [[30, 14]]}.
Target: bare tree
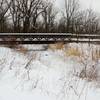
{"points": [[90, 22], [49, 16], [15, 16], [27, 11], [4, 7], [24, 14], [62, 25], [87, 22], [71, 10]]}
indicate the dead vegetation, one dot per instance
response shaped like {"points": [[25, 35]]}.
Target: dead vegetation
{"points": [[90, 65], [95, 54], [56, 46], [89, 72], [18, 48], [88, 61], [22, 49], [73, 52]]}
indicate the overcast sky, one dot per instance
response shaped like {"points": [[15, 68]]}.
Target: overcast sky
{"points": [[94, 4]]}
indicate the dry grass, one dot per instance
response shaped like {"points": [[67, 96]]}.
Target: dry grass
{"points": [[57, 46], [89, 61], [73, 52], [95, 54], [21, 49], [89, 71]]}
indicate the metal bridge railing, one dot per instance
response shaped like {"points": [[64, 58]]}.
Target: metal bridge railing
{"points": [[47, 38]]}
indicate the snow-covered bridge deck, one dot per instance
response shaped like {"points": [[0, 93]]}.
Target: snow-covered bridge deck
{"points": [[47, 38]]}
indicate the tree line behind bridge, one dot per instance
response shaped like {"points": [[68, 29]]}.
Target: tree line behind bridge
{"points": [[35, 16]]}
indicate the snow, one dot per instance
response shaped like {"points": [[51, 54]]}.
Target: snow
{"points": [[50, 75]]}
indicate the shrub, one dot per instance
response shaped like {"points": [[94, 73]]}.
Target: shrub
{"points": [[90, 74]]}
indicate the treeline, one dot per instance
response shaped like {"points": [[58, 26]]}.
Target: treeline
{"points": [[43, 16]]}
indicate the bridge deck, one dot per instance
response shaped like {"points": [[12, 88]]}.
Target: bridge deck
{"points": [[35, 33]]}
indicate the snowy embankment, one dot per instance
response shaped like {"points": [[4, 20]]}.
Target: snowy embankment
{"points": [[46, 75]]}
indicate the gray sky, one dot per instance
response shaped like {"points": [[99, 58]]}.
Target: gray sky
{"points": [[94, 4]]}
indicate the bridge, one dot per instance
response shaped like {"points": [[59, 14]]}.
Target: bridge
{"points": [[47, 38]]}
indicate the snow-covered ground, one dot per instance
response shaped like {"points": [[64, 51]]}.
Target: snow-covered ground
{"points": [[46, 75]]}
